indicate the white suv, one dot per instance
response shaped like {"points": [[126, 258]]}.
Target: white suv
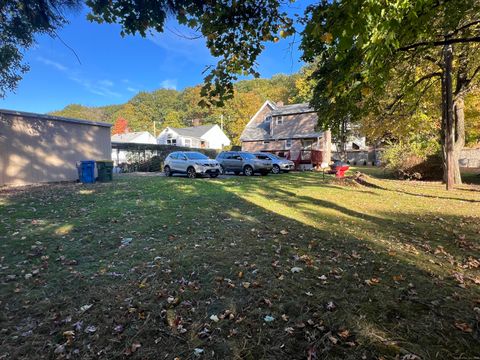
{"points": [[191, 163]]}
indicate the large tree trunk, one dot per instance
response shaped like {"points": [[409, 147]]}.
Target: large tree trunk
{"points": [[459, 136], [448, 123]]}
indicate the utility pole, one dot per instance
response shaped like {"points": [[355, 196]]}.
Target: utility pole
{"points": [[221, 122], [154, 128]]}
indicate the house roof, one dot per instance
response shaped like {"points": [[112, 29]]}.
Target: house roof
{"points": [[292, 109], [193, 131], [255, 131], [53, 118], [128, 137]]}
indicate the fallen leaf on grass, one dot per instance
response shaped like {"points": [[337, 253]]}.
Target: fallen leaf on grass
{"points": [[90, 329], [296, 269], [118, 328], [134, 347], [60, 349], [268, 318], [69, 333], [289, 330], [283, 232], [463, 327], [344, 334], [197, 351], [214, 318], [246, 284], [330, 306], [85, 307], [333, 339], [312, 353], [411, 357], [372, 281], [398, 278]]}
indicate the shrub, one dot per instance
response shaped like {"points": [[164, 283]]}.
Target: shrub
{"points": [[154, 164], [414, 160]]}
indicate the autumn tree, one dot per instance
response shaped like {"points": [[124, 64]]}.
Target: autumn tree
{"points": [[120, 126], [360, 44], [235, 32]]}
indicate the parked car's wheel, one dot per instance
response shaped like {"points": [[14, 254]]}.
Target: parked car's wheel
{"points": [[167, 171], [214, 175], [276, 169], [248, 170], [191, 173], [264, 173]]}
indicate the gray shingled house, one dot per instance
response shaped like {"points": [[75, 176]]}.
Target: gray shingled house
{"points": [[292, 128]]}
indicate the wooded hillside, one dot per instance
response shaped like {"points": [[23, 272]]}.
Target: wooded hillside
{"points": [[178, 108]]}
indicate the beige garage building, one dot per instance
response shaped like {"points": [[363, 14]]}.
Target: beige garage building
{"points": [[42, 148]]}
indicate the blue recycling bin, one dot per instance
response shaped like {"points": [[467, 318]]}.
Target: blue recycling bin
{"points": [[86, 171]]}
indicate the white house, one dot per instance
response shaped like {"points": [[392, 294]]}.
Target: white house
{"points": [[142, 137], [204, 136]]}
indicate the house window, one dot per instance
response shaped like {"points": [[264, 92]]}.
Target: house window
{"points": [[288, 143], [172, 142], [307, 144], [268, 119], [279, 120], [188, 142]]}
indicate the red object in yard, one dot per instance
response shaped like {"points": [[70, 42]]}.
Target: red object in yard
{"points": [[341, 171]]}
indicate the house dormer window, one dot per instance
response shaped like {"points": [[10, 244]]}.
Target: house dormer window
{"points": [[268, 119], [279, 120]]}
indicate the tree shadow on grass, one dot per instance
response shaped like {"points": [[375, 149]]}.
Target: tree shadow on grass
{"points": [[195, 247]]}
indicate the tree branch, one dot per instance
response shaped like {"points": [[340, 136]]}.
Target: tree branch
{"points": [[440, 43], [392, 106], [466, 26]]}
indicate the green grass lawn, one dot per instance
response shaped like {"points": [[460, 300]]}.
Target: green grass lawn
{"points": [[277, 267]]}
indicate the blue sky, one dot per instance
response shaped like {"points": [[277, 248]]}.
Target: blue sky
{"points": [[112, 69]]}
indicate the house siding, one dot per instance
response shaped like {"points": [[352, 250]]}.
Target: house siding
{"points": [[214, 138], [38, 148], [303, 124], [275, 145]]}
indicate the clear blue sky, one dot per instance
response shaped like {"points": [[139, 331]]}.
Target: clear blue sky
{"points": [[113, 69]]}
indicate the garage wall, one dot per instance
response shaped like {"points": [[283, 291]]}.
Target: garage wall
{"points": [[40, 148]]}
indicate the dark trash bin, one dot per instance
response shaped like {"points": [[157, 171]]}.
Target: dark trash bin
{"points": [[105, 170], [86, 171]]}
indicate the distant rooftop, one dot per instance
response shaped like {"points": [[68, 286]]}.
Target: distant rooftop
{"points": [[292, 109], [128, 137], [193, 131]]}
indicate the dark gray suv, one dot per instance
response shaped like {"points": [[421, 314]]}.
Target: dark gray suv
{"points": [[241, 161]]}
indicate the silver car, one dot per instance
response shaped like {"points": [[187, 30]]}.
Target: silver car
{"points": [[242, 161], [191, 163], [278, 164]]}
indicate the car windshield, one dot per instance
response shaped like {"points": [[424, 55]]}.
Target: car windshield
{"points": [[196, 156], [273, 156], [247, 156]]}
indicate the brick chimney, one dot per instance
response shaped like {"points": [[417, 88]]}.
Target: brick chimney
{"points": [[279, 103], [196, 122]]}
